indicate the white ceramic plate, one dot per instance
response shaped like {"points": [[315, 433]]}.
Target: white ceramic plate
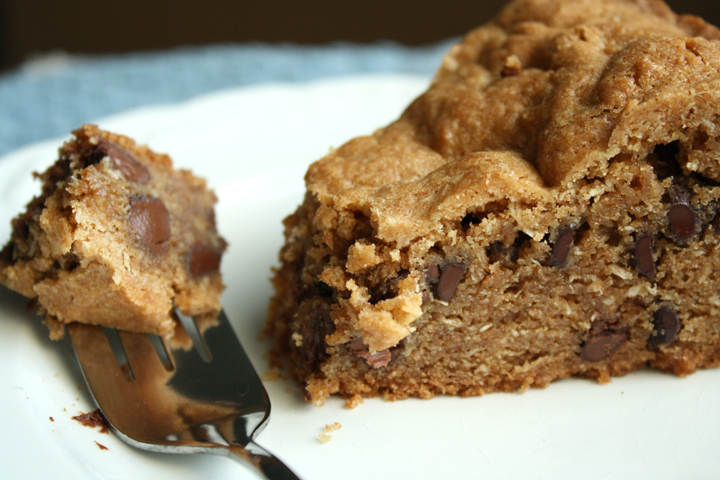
{"points": [[254, 145]]}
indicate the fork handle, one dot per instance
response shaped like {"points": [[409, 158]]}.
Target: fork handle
{"points": [[267, 464]]}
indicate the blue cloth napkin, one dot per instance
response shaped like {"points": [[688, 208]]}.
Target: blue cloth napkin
{"points": [[53, 95]]}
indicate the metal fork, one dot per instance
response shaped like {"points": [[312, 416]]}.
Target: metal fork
{"points": [[171, 398]]}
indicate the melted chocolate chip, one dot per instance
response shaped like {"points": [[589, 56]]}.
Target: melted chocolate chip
{"points": [[644, 261], [356, 345], [376, 360], [203, 260], [151, 221], [451, 274], [666, 327], [123, 161], [602, 346], [604, 339], [682, 220], [563, 243]]}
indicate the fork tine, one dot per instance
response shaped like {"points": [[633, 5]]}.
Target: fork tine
{"points": [[195, 407], [96, 355], [230, 376], [114, 393]]}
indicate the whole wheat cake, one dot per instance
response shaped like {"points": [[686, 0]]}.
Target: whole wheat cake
{"points": [[118, 237], [547, 209]]}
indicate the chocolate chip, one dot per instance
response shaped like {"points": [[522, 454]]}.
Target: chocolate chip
{"points": [[604, 339], [203, 260], [666, 327], [602, 346], [433, 274], [151, 222], [563, 243], [644, 261], [682, 223], [356, 345], [376, 360], [124, 161], [451, 274]]}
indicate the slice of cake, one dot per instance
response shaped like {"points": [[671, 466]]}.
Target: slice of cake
{"points": [[548, 208], [117, 238]]}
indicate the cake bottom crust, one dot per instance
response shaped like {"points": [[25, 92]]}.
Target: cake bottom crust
{"points": [[355, 384]]}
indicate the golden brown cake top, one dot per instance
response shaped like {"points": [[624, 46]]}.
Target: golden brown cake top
{"points": [[529, 107]]}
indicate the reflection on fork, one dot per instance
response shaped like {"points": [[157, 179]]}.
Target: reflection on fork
{"points": [[170, 396]]}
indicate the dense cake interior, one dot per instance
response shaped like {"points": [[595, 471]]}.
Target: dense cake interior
{"points": [[548, 208], [118, 237]]}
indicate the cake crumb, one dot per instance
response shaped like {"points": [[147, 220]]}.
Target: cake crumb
{"points": [[101, 446], [354, 401], [93, 419], [333, 427], [325, 434], [513, 66]]}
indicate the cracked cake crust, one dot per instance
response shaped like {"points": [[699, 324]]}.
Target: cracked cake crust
{"points": [[548, 208]]}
